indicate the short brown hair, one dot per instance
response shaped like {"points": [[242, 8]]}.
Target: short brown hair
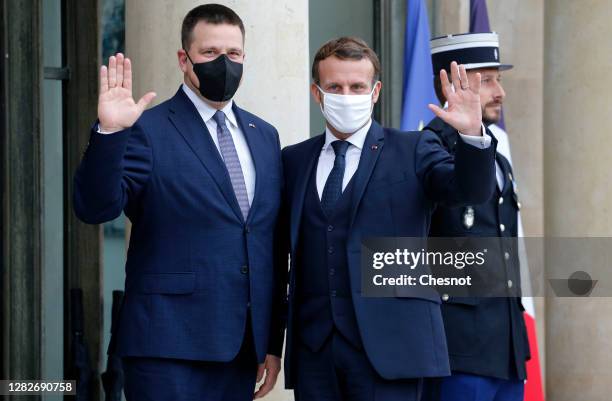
{"points": [[346, 48], [212, 14]]}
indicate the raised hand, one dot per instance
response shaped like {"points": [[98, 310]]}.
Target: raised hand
{"points": [[464, 112], [117, 109]]}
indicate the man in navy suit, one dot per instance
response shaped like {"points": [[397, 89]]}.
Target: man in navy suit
{"points": [[360, 180], [200, 180]]}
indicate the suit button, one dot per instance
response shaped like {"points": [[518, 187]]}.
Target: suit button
{"points": [[333, 293], [330, 250], [501, 200], [332, 272], [244, 269], [445, 297], [502, 228], [247, 229], [510, 283], [330, 228], [506, 255]]}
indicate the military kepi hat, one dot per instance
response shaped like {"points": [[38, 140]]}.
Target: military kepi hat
{"points": [[473, 50]]}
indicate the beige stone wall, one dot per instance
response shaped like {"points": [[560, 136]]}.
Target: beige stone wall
{"points": [[448, 17], [276, 70], [578, 187], [520, 26]]}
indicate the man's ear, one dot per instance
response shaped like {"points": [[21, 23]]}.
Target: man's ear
{"points": [[182, 60], [316, 93]]}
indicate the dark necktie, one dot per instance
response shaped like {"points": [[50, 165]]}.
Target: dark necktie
{"points": [[333, 186], [232, 163]]}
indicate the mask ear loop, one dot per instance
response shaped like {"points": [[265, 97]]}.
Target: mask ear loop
{"points": [[192, 63], [322, 92], [374, 87], [187, 54], [372, 93]]}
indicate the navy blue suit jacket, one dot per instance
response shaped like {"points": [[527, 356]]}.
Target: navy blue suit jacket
{"points": [[400, 179], [193, 264]]}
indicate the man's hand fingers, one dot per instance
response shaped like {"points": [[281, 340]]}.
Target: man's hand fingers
{"points": [[127, 74], [145, 100], [463, 76], [103, 79], [455, 75], [112, 72], [438, 111], [120, 60], [264, 389], [260, 372], [267, 386], [476, 88], [445, 84]]}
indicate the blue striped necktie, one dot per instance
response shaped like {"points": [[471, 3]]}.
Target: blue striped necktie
{"points": [[333, 186], [232, 163]]}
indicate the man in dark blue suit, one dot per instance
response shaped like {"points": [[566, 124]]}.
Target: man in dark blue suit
{"points": [[200, 180], [361, 180]]}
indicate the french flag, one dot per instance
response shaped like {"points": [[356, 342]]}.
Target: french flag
{"points": [[418, 90]]}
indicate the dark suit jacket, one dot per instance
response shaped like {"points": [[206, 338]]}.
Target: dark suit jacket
{"points": [[401, 177], [194, 266]]}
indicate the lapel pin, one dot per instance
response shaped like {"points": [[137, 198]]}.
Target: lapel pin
{"points": [[374, 147], [251, 125]]}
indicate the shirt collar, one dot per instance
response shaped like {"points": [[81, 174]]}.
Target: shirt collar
{"points": [[357, 139], [206, 111]]}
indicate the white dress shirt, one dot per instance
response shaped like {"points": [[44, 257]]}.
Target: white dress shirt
{"points": [[242, 148], [353, 154]]}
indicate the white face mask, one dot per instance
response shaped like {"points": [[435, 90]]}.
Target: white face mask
{"points": [[347, 113]]}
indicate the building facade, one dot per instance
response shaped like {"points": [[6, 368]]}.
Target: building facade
{"points": [[51, 51]]}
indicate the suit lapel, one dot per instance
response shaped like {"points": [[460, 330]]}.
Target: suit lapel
{"points": [[370, 153], [185, 117], [301, 183], [257, 149]]}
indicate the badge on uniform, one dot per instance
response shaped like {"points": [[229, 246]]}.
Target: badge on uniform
{"points": [[468, 217]]}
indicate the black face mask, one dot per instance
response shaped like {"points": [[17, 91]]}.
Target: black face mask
{"points": [[219, 78]]}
